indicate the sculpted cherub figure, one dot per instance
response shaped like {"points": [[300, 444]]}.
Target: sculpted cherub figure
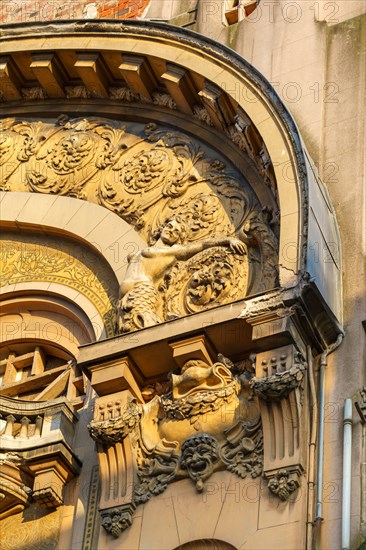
{"points": [[139, 298]]}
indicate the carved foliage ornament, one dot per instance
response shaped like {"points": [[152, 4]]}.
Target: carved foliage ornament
{"points": [[280, 384], [284, 482], [201, 425], [116, 520], [149, 177], [45, 259]]}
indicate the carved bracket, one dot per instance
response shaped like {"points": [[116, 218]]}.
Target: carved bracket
{"points": [[116, 520], [36, 461], [15, 487], [360, 403], [279, 385]]}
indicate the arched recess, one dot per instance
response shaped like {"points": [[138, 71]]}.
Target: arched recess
{"points": [[44, 258], [144, 71], [40, 337], [90, 225], [173, 81], [206, 544]]}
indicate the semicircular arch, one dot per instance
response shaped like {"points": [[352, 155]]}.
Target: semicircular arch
{"points": [[231, 96]]}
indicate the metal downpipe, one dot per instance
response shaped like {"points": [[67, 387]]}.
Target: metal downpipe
{"points": [[347, 471], [312, 452]]}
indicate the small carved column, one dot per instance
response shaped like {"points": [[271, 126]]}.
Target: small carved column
{"points": [[278, 384]]}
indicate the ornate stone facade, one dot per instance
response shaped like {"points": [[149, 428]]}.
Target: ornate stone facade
{"points": [[185, 339]]}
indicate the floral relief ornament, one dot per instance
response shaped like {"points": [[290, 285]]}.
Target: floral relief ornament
{"points": [[150, 179]]}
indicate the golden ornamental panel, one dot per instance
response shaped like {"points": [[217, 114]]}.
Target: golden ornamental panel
{"points": [[32, 258], [209, 240]]}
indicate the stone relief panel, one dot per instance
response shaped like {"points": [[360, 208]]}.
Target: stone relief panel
{"points": [[35, 529], [31, 258], [208, 420], [207, 415], [209, 240]]}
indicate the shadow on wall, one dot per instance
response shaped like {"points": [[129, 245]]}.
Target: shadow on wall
{"points": [[32, 529]]}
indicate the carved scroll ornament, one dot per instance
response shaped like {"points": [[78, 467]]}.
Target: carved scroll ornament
{"points": [[201, 425], [31, 258], [222, 247]]}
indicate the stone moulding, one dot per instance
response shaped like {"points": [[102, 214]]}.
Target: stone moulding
{"points": [[280, 375], [279, 385], [34, 258], [36, 446], [15, 486], [269, 146], [205, 228]]}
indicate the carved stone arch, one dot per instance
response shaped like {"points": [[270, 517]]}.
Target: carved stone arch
{"points": [[227, 97], [153, 119], [48, 258], [90, 224], [39, 313], [206, 544]]}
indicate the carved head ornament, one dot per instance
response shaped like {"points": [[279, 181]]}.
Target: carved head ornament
{"points": [[173, 230], [199, 455]]}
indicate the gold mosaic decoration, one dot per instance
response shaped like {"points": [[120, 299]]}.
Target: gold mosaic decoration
{"points": [[33, 258]]}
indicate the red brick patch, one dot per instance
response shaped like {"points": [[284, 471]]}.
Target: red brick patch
{"points": [[18, 11]]}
